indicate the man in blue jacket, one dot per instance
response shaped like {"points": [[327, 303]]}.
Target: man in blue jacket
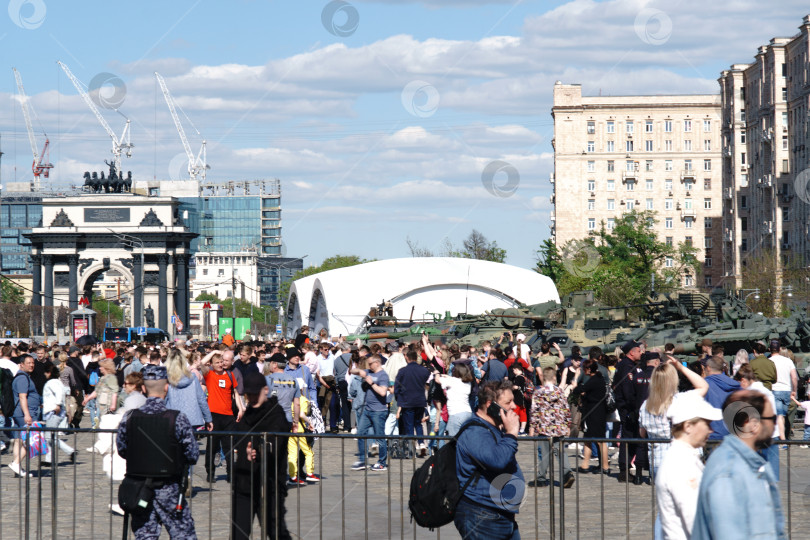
{"points": [[739, 495], [720, 386], [489, 504]]}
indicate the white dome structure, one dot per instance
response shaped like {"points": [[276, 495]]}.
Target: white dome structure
{"points": [[339, 300]]}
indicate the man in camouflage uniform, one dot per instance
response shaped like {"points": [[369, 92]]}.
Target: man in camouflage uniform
{"points": [[134, 434]]}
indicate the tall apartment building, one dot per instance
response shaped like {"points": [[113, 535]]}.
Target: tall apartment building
{"points": [[619, 153], [765, 136]]}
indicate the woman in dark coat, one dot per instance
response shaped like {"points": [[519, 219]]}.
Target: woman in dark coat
{"points": [[594, 413]]}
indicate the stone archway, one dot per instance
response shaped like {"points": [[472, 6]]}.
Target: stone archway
{"points": [[88, 277], [142, 237]]}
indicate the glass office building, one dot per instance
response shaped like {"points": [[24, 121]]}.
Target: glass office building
{"points": [[273, 272], [19, 213]]}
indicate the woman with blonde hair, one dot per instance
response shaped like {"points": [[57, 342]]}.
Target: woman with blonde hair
{"points": [[739, 359], [653, 413], [185, 393]]}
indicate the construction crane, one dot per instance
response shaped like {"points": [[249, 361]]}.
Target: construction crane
{"points": [[196, 165], [120, 145], [41, 165]]}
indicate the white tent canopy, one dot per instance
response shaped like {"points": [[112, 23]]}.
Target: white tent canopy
{"points": [[339, 300]]}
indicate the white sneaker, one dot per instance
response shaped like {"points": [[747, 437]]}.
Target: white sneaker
{"points": [[91, 449], [574, 446], [804, 446], [374, 449], [354, 431], [115, 509], [19, 471]]}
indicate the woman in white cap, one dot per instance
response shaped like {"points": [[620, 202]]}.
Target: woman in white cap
{"points": [[677, 481]]}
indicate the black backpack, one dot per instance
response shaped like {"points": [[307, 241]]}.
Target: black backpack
{"points": [[435, 490], [7, 393]]}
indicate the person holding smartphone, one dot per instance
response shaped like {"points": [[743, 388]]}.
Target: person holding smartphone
{"points": [[486, 453]]}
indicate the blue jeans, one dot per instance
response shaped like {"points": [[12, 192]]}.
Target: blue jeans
{"points": [[475, 522], [782, 399], [372, 423], [412, 419], [771, 455], [92, 411], [806, 433]]}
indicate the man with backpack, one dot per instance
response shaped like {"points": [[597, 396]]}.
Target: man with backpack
{"points": [[486, 463]]}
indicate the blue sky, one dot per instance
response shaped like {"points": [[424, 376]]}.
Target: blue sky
{"points": [[380, 134]]}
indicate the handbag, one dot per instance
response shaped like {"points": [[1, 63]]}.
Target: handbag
{"points": [[135, 495], [35, 441]]}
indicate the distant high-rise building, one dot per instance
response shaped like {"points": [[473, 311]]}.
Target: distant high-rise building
{"points": [[616, 154]]}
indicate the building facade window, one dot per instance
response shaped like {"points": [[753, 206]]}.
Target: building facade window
{"points": [[707, 223], [611, 126], [648, 126], [591, 166], [707, 242], [649, 184], [630, 185], [707, 184], [591, 224], [669, 263], [707, 280], [668, 126], [707, 145], [629, 127], [591, 185], [591, 204], [611, 204], [668, 165], [628, 145], [611, 165], [649, 204], [687, 223], [611, 185], [668, 241], [611, 146], [668, 184], [591, 146], [611, 222], [648, 146], [648, 165], [687, 126], [668, 204], [668, 145], [707, 126], [707, 164], [629, 204], [668, 223], [707, 262], [707, 204], [591, 127], [687, 145]]}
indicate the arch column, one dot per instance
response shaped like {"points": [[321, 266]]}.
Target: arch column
{"points": [[163, 292], [73, 284], [36, 296], [181, 295], [47, 262], [137, 293]]}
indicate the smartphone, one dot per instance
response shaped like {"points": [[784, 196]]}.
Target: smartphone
{"points": [[494, 412]]}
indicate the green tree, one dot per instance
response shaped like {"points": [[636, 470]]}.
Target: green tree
{"points": [[12, 294], [619, 264], [106, 311], [207, 297], [477, 246]]}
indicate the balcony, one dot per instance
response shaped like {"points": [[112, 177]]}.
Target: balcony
{"points": [[687, 173], [551, 178], [767, 227], [727, 152], [629, 175], [728, 193], [729, 235], [688, 214]]}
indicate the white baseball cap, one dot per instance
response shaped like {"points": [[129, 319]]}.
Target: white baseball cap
{"points": [[689, 405], [520, 337]]}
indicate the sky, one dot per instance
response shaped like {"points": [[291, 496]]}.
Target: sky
{"points": [[384, 120]]}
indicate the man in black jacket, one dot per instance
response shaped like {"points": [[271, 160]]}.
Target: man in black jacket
{"points": [[624, 393], [256, 451], [82, 385]]}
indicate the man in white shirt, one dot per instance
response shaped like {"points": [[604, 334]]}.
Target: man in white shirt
{"points": [[677, 481], [787, 382], [6, 362]]}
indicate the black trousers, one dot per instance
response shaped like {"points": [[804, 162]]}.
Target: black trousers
{"points": [[246, 506], [628, 451], [345, 406], [222, 422]]}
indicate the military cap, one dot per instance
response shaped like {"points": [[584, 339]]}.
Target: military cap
{"points": [[152, 372], [630, 345]]}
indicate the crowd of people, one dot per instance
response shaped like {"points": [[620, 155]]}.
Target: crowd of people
{"points": [[319, 385]]}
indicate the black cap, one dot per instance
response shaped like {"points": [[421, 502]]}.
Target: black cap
{"points": [[254, 382], [775, 345], [647, 356], [630, 345], [278, 358], [292, 352]]}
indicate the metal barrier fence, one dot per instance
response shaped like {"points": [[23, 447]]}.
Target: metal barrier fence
{"points": [[72, 499]]}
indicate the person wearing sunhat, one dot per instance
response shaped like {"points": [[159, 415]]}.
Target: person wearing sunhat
{"points": [[677, 480], [159, 446]]}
